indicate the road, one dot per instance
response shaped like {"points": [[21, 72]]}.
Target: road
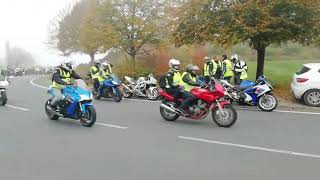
{"points": [[133, 142]]}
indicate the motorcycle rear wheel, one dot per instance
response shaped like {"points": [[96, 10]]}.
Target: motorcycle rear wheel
{"points": [[90, 118], [167, 115], [227, 118], [3, 98], [49, 113], [126, 93]]}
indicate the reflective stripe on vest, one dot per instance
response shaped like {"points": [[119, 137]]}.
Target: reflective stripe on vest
{"points": [[229, 71], [109, 71], [186, 86]]}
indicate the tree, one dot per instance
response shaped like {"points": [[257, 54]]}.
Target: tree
{"points": [[16, 56], [65, 31], [137, 24], [259, 23]]}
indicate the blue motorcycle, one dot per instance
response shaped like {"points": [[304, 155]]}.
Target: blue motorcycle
{"points": [[257, 93], [76, 104], [110, 89]]}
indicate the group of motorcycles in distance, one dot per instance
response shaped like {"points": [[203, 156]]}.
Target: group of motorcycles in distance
{"points": [[216, 96]]}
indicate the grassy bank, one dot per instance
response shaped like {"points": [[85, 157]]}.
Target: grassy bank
{"points": [[280, 74]]}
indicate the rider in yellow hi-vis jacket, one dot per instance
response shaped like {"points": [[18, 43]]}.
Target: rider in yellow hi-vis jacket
{"points": [[62, 77]]}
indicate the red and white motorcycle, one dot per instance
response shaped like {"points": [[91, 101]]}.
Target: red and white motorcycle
{"points": [[208, 99]]}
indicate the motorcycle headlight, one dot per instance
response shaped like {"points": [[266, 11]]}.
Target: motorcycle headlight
{"points": [[115, 83], [84, 98]]}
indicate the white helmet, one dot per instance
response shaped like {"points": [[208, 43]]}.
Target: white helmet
{"points": [[104, 65], [174, 64], [97, 62], [67, 65], [235, 57]]}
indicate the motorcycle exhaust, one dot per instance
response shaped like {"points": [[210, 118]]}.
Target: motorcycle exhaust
{"points": [[127, 87], [168, 108]]}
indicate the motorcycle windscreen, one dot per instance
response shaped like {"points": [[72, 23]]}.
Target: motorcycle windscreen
{"points": [[79, 93], [219, 88], [115, 78]]}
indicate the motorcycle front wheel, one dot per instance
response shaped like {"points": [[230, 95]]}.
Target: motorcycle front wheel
{"points": [[267, 103], [117, 95], [50, 113], [3, 98], [89, 118], [226, 117], [152, 93]]}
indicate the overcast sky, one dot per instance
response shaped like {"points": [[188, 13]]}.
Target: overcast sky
{"points": [[24, 23]]}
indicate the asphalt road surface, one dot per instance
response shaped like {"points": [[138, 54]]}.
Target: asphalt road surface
{"points": [[132, 142]]}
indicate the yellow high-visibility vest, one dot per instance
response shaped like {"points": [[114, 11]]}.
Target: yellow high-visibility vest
{"points": [[65, 76], [186, 86]]}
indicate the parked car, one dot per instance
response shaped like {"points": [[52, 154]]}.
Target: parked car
{"points": [[306, 84]]}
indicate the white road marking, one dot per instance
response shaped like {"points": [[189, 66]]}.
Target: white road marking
{"points": [[110, 125], [252, 147], [298, 112], [39, 86], [15, 107]]}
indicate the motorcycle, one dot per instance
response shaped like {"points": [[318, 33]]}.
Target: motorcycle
{"points": [[143, 87], [110, 89], [76, 104], [208, 99], [257, 93], [4, 83]]}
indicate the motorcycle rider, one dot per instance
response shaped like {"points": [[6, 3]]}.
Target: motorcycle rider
{"points": [[227, 68], [174, 85], [189, 78], [209, 69], [108, 66], [61, 78], [95, 75], [240, 69]]}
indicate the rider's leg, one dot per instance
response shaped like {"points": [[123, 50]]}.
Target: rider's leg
{"points": [[57, 97], [100, 87], [188, 99], [96, 84], [237, 78]]}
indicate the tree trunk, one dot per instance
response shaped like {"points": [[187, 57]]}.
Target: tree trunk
{"points": [[260, 62], [92, 58], [133, 59]]}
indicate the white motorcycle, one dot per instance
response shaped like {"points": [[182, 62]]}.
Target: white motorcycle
{"points": [[4, 83], [143, 87]]}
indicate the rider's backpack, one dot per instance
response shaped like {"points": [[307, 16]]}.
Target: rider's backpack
{"points": [[163, 81]]}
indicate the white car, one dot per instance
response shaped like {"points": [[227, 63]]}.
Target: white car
{"points": [[306, 84]]}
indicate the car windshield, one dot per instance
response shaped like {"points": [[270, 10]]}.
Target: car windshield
{"points": [[303, 70]]}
